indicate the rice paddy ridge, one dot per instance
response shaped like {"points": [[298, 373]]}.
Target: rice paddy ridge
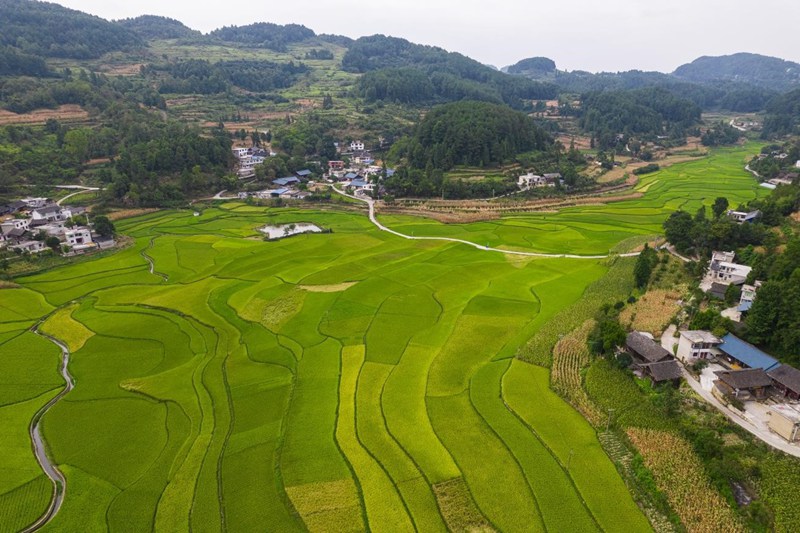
{"points": [[240, 399]]}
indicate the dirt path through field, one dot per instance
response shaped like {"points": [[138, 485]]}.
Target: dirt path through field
{"points": [[40, 449], [371, 203]]}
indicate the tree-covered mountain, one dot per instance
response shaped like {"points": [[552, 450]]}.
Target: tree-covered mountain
{"points": [[533, 66], [725, 95], [648, 113], [412, 73], [50, 30], [474, 134], [151, 27], [783, 115], [264, 35], [762, 71]]}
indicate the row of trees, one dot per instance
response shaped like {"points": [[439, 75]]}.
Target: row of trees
{"points": [[198, 76], [701, 234]]}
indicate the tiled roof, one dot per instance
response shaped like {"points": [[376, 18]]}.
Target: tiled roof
{"points": [[646, 348]]}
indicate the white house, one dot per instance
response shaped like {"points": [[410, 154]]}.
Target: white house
{"points": [[526, 181], [51, 213], [78, 236], [723, 270], [744, 216], [33, 203], [797, 165], [697, 345], [241, 152], [15, 223], [357, 146], [33, 247]]}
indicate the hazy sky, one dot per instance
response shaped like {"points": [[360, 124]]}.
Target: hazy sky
{"points": [[594, 35]]}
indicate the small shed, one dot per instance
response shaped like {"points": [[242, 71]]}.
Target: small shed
{"points": [[664, 372], [289, 180], [785, 421], [786, 379]]}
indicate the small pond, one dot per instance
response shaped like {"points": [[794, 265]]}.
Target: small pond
{"points": [[279, 231]]}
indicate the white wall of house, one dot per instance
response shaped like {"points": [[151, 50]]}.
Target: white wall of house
{"points": [[689, 352], [78, 236]]}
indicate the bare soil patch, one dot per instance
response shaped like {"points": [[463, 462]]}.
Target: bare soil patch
{"points": [[128, 213], [339, 287], [130, 69], [64, 113]]}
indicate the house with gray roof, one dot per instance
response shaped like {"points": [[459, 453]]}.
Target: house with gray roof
{"points": [[786, 380], [644, 349]]}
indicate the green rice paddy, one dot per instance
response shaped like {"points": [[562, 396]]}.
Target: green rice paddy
{"points": [[328, 382]]}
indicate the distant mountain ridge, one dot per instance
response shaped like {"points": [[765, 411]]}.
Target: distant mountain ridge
{"points": [[756, 69], [744, 69]]}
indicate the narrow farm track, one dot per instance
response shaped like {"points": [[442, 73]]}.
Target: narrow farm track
{"points": [[50, 469], [371, 203]]}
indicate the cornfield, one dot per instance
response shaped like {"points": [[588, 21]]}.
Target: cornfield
{"points": [[679, 474], [653, 311], [570, 356]]}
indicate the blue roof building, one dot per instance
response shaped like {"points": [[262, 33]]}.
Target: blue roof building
{"points": [[286, 181], [351, 175], [303, 173], [746, 354], [358, 184]]}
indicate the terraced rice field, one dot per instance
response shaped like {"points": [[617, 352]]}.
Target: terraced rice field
{"points": [[332, 382]]}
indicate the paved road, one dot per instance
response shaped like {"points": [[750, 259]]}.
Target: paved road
{"points": [[80, 189], [755, 425], [371, 203]]}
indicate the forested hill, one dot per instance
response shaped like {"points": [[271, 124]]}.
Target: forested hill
{"points": [[150, 27], [264, 35], [763, 71], [533, 66], [50, 30], [398, 70], [647, 113], [783, 115], [473, 133]]}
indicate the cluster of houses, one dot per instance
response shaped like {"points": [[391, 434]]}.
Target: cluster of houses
{"points": [[357, 174], [784, 178], [740, 371], [25, 225], [735, 370], [284, 188], [531, 180], [249, 158], [723, 272]]}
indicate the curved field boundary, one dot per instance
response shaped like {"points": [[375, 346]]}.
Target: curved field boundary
{"points": [[151, 262], [48, 466], [371, 203]]}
